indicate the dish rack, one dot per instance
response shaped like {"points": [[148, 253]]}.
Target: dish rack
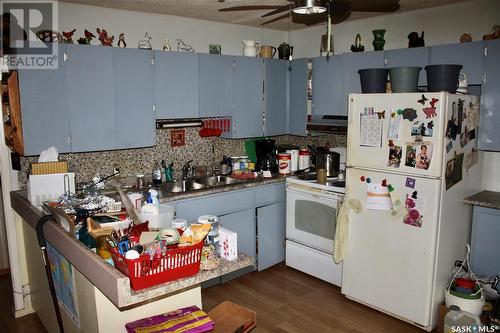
{"points": [[145, 272]]}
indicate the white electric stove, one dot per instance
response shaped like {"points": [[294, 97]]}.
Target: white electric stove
{"points": [[311, 215]]}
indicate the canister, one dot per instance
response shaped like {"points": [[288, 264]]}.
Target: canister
{"points": [[304, 159], [284, 163], [179, 224], [213, 235], [294, 153]]}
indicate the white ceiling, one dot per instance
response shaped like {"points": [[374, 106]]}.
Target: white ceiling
{"points": [[208, 9]]}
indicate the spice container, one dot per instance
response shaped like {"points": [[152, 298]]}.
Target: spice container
{"points": [[213, 234], [304, 159]]}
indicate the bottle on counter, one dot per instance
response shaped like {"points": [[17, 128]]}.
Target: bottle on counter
{"points": [[156, 173], [169, 173], [150, 208]]}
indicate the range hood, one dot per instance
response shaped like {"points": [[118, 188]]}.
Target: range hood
{"points": [[327, 124]]}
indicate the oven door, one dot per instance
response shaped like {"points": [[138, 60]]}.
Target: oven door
{"points": [[311, 216]]}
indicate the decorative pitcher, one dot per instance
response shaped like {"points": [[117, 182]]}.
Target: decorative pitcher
{"points": [[251, 49]]}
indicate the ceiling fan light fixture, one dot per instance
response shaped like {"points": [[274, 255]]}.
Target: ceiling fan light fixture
{"points": [[309, 7]]}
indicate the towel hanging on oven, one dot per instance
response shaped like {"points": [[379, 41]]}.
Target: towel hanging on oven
{"points": [[342, 227]]}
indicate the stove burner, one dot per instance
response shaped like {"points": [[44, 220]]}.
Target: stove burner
{"points": [[337, 183]]}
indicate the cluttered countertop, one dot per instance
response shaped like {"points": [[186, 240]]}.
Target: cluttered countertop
{"points": [[109, 280], [488, 199]]}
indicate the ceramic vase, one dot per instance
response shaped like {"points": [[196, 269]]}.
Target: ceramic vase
{"points": [[378, 39]]}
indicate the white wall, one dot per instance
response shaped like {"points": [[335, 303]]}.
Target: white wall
{"points": [[198, 33], [442, 25]]}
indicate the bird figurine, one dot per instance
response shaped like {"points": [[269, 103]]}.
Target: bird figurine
{"points": [[166, 46], [121, 41], [68, 36], [104, 38], [87, 39]]}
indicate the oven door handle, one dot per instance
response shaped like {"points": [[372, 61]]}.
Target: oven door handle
{"points": [[320, 195]]}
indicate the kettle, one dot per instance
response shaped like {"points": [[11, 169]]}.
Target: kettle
{"points": [[285, 51], [250, 48]]}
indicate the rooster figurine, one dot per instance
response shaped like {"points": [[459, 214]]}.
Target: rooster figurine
{"points": [[87, 39], [68, 36], [104, 38]]}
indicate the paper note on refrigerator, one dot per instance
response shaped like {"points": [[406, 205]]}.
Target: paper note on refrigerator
{"points": [[394, 123], [377, 197], [371, 131]]}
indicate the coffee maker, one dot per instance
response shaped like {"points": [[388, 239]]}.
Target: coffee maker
{"points": [[265, 150]]}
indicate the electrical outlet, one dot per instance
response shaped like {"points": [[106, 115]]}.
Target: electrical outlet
{"points": [[26, 289], [116, 170]]}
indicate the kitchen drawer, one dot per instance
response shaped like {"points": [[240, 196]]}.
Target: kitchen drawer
{"points": [[216, 204], [269, 194]]}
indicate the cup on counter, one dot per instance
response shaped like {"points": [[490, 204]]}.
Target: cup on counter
{"points": [[321, 176]]}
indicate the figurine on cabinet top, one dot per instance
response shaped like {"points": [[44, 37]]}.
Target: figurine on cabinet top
{"points": [[121, 41], [183, 47], [357, 46], [104, 38], [87, 39], [414, 40], [166, 46], [68, 36], [145, 43]]}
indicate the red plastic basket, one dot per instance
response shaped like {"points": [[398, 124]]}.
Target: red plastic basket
{"points": [[175, 264]]}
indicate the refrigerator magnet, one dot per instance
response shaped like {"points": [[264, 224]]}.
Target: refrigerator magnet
{"points": [[423, 129], [430, 112], [395, 154], [414, 207], [453, 173], [410, 182], [422, 100], [409, 113]]}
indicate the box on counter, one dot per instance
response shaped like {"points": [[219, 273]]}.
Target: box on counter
{"points": [[43, 168], [228, 241], [49, 186]]}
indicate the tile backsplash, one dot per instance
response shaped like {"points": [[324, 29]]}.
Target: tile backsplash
{"points": [[203, 151]]}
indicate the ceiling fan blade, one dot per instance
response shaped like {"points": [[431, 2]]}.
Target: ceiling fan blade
{"points": [[336, 19], [238, 8], [276, 19], [277, 11], [386, 6]]}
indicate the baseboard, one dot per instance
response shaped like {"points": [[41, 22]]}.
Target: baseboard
{"points": [[4, 271], [24, 312]]}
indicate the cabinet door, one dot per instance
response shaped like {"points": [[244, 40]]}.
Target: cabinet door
{"points": [[327, 86], [133, 98], [243, 223], [248, 93], [91, 97], [489, 115], [416, 56], [271, 235], [469, 55], [276, 97], [176, 85], [351, 63], [297, 83], [216, 85], [484, 241], [45, 107]]}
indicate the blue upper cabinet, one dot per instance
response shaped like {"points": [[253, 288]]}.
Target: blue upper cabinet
{"points": [[246, 121], [91, 97], [489, 115], [216, 75], [469, 55], [327, 86], [133, 98], [416, 56], [176, 90], [45, 107], [275, 97], [298, 97]]}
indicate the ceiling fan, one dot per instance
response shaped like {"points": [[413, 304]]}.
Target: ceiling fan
{"points": [[310, 12]]}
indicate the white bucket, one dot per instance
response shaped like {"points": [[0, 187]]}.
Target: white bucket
{"points": [[163, 220], [474, 306]]}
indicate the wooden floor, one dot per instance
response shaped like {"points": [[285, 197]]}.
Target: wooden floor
{"points": [[285, 300], [8, 324]]}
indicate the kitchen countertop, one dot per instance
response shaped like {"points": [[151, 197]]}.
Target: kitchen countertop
{"points": [[167, 197], [487, 199], [109, 280]]}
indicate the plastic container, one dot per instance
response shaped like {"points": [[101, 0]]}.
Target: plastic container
{"points": [[473, 306], [443, 77], [179, 224], [404, 79], [304, 159], [213, 235], [161, 220], [456, 318], [373, 80]]}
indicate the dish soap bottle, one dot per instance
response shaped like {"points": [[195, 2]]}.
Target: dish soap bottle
{"points": [[156, 173]]}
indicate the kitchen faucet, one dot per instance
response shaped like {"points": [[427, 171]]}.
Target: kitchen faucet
{"points": [[186, 169]]}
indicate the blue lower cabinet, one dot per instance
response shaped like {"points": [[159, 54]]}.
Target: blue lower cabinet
{"points": [[485, 244], [243, 223], [271, 235]]}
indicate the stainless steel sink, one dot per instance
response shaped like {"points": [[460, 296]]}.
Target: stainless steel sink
{"points": [[218, 181], [182, 186]]}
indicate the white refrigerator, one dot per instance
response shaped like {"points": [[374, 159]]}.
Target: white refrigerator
{"points": [[411, 159]]}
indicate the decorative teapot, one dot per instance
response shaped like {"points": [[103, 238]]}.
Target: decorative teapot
{"points": [[285, 51], [251, 49]]}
